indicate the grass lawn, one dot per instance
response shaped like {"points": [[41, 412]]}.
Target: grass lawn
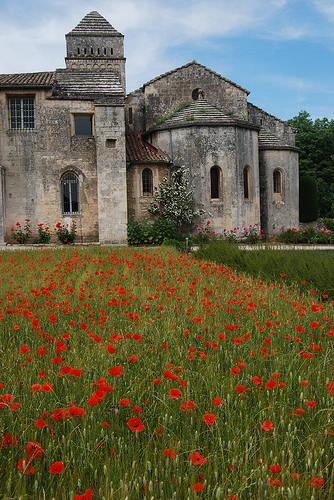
{"points": [[144, 373]]}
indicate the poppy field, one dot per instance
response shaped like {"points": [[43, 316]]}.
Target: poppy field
{"points": [[144, 373]]}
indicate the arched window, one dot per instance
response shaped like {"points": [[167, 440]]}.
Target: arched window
{"points": [[70, 194], [277, 182], [147, 181], [246, 184], [215, 183]]}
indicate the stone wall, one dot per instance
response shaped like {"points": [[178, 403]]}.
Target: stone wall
{"points": [[35, 161], [229, 148], [279, 210], [138, 203]]}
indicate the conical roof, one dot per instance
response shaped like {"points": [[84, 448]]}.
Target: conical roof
{"points": [[199, 112], [94, 24]]}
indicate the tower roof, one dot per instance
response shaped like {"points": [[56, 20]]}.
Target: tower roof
{"points": [[94, 24]]}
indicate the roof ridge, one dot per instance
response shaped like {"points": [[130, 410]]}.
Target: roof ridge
{"points": [[194, 62]]}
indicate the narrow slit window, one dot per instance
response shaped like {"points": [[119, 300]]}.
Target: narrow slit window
{"points": [[70, 194], [277, 180], [215, 181], [246, 184], [147, 181]]}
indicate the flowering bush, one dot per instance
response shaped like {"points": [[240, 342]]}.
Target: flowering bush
{"points": [[204, 233], [175, 201], [21, 235], [44, 234], [253, 234], [66, 234]]}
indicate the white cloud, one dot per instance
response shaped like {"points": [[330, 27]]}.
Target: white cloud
{"points": [[325, 7]]}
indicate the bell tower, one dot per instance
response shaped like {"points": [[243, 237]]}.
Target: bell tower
{"points": [[95, 45]]}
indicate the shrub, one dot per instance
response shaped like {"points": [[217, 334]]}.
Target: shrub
{"points": [[146, 233], [66, 234], [175, 201], [21, 235], [181, 246], [308, 199], [44, 235]]}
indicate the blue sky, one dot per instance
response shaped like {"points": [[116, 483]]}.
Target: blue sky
{"points": [[282, 51]]}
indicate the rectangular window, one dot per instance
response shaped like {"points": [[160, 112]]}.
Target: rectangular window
{"points": [[22, 113], [83, 124]]}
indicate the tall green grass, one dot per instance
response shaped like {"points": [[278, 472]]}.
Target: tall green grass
{"points": [[307, 269], [236, 347]]}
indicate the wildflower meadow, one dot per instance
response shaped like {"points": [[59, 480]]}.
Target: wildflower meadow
{"points": [[144, 373]]}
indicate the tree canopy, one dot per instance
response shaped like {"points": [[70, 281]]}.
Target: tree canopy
{"points": [[315, 138]]}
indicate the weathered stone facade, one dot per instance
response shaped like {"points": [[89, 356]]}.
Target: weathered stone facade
{"points": [[74, 146]]}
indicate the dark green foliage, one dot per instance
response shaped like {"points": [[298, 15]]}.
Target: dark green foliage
{"points": [[308, 199], [181, 246], [306, 269], [66, 234], [146, 233], [44, 235], [310, 235], [316, 142]]}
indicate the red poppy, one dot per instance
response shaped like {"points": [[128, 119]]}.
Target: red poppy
{"points": [[56, 468], [217, 401], [85, 496], [93, 401], [187, 405], [275, 482], [135, 424], [197, 458], [75, 411], [304, 382], [174, 393], [169, 453], [271, 384], [57, 414], [267, 425], [117, 370], [35, 450], [124, 402], [8, 439], [209, 418], [24, 467], [317, 482], [52, 318], [311, 404], [41, 423], [275, 468], [300, 411], [199, 486], [156, 381]]}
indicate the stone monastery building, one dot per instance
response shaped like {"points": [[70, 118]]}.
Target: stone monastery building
{"points": [[73, 145]]}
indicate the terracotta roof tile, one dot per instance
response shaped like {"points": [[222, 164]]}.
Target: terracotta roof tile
{"points": [[44, 79], [140, 151]]}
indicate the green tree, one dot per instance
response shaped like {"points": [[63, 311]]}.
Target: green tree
{"points": [[174, 200], [315, 138]]}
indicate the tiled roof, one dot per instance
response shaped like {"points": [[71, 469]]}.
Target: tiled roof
{"points": [[94, 24], [200, 112], [44, 79], [140, 151], [194, 63], [86, 83], [268, 140]]}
